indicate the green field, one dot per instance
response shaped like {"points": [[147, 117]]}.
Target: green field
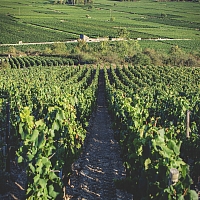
{"points": [[42, 21]]}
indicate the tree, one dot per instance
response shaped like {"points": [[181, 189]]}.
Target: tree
{"points": [[82, 45], [141, 59], [156, 58], [177, 56], [4, 64], [123, 33], [12, 51], [59, 48]]}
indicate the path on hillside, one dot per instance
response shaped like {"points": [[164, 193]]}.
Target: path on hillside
{"points": [[21, 43], [100, 162]]}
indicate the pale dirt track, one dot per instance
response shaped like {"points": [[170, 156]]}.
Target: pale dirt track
{"points": [[100, 163], [21, 43]]}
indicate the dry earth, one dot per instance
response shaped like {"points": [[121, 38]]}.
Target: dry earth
{"points": [[100, 163]]}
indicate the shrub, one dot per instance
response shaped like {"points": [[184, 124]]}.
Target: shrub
{"points": [[141, 59]]}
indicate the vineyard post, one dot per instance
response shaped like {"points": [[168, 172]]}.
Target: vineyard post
{"points": [[8, 136], [173, 176], [188, 124]]}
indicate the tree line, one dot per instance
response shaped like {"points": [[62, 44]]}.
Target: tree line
{"points": [[73, 2], [161, 0]]}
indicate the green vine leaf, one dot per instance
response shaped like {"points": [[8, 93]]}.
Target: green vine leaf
{"points": [[146, 163], [42, 183], [52, 193], [173, 146], [192, 195], [34, 135]]}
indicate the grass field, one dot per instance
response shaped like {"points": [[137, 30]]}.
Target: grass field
{"points": [[41, 21]]}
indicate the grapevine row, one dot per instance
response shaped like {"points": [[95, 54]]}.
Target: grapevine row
{"points": [[30, 61], [150, 123], [50, 108]]}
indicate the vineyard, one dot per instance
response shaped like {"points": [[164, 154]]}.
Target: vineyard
{"points": [[149, 105], [46, 21], [48, 115], [24, 62], [51, 103]]}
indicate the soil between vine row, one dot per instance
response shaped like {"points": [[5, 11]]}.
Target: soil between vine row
{"points": [[99, 164]]}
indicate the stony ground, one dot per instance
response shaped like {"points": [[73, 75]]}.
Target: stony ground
{"points": [[100, 163], [14, 189]]}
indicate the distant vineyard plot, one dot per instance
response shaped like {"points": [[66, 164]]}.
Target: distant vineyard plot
{"points": [[44, 21]]}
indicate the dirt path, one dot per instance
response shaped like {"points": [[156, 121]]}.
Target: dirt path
{"points": [[89, 40], [100, 162]]}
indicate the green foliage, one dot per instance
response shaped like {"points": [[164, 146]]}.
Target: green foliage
{"points": [[190, 152], [54, 22], [90, 7], [12, 51], [49, 145], [30, 61], [150, 127], [51, 107], [49, 113], [141, 59], [121, 51], [123, 33], [59, 49], [155, 57], [4, 64], [112, 19]]}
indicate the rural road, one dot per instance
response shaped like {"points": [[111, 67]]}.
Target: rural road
{"points": [[89, 40]]}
